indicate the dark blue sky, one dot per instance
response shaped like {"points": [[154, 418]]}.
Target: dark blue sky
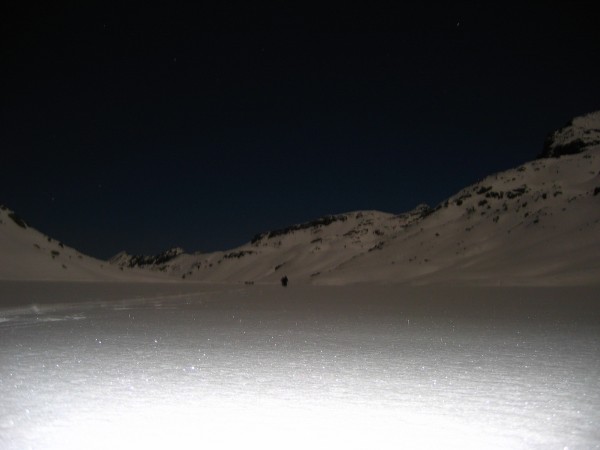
{"points": [[141, 128]]}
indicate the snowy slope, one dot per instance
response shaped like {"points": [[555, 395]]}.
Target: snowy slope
{"points": [[301, 251], [27, 254], [538, 224]]}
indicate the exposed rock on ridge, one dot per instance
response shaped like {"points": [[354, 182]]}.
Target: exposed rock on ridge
{"points": [[579, 134]]}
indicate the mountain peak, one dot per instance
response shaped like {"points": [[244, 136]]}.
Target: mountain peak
{"points": [[579, 134]]}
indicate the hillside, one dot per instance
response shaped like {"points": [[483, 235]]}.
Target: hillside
{"points": [[301, 250], [537, 224], [27, 254]]}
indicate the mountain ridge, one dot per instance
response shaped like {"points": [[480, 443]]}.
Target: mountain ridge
{"points": [[574, 137], [538, 223], [492, 224], [27, 254]]}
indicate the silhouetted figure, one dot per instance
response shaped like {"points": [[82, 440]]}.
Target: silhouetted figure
{"points": [[284, 281]]}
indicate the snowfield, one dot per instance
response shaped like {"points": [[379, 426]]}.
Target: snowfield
{"points": [[472, 324], [125, 365]]}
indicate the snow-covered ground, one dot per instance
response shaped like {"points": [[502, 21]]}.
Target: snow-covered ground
{"points": [[474, 324], [118, 365]]}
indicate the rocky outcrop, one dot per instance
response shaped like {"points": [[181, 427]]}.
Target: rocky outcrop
{"points": [[320, 222], [123, 259], [579, 134]]}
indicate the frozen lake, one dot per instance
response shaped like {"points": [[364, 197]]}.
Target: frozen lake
{"points": [[121, 365]]}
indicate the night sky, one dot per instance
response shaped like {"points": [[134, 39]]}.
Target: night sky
{"points": [[141, 128]]}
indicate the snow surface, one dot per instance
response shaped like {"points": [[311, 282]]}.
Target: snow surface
{"points": [[415, 330], [118, 365]]}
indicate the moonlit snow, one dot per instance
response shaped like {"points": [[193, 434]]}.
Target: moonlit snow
{"points": [[473, 324], [109, 365]]}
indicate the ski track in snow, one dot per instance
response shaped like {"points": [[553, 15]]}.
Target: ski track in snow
{"points": [[302, 367]]}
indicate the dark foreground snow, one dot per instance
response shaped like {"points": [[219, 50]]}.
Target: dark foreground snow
{"points": [[173, 366]]}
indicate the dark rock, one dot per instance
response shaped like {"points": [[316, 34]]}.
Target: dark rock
{"points": [[320, 222], [16, 219]]}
